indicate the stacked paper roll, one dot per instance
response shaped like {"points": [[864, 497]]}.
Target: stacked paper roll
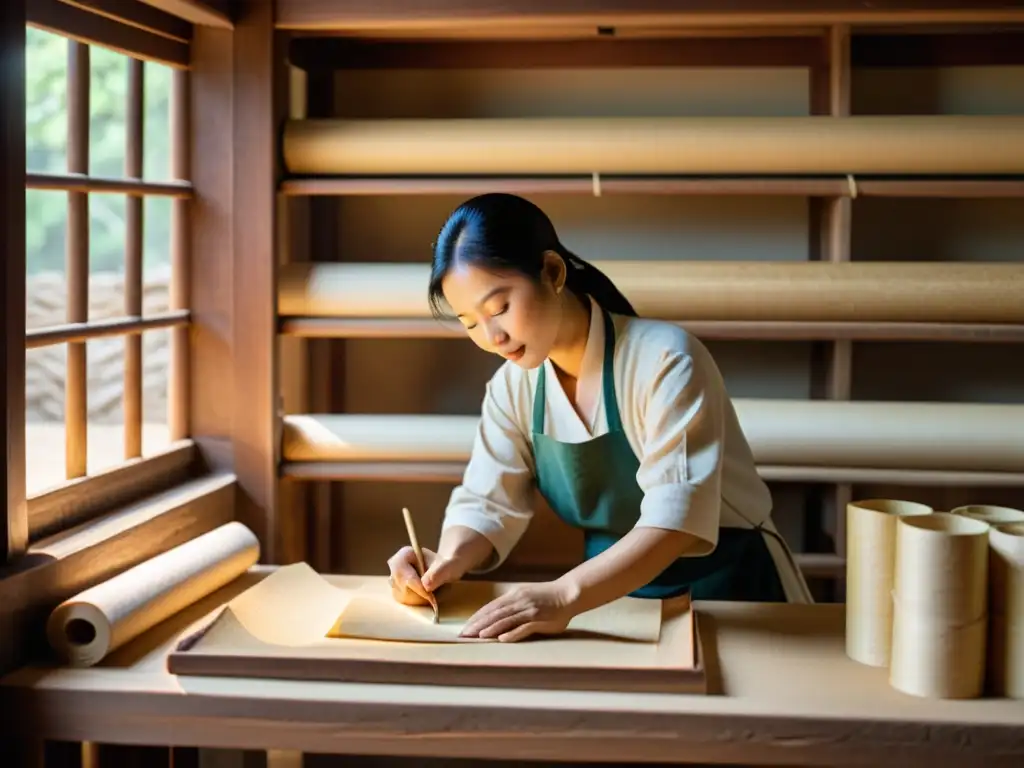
{"points": [[86, 628], [940, 606], [870, 569], [991, 514], [1006, 610]]}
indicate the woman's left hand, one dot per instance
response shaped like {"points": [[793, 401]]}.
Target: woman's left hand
{"points": [[542, 608]]}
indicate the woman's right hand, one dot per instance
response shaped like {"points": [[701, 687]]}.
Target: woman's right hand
{"points": [[406, 585]]}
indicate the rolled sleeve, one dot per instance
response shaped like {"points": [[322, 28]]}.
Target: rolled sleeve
{"points": [[681, 467], [496, 495]]}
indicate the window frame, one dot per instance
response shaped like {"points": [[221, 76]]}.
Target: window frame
{"points": [[141, 34]]}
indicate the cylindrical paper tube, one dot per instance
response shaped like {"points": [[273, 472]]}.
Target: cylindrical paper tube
{"points": [[805, 291], [940, 602], [928, 436], [1006, 610], [870, 566], [940, 144], [990, 514], [87, 627]]}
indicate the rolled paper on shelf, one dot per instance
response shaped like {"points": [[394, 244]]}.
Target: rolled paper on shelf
{"points": [[870, 569], [801, 291], [991, 514], [925, 436], [1006, 610], [940, 606], [84, 629], [864, 144]]}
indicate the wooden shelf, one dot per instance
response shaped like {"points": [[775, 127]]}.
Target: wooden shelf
{"points": [[824, 186], [738, 330], [452, 471]]}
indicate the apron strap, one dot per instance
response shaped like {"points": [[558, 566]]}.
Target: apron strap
{"points": [[611, 405]]}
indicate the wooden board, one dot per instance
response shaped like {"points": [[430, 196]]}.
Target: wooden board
{"points": [[282, 627]]}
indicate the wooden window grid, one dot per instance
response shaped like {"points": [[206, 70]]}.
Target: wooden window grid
{"points": [[141, 34]]}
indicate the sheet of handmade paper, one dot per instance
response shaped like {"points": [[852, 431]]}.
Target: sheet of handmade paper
{"points": [[373, 614]]}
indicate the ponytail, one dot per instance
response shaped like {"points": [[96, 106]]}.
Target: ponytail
{"points": [[583, 278]]}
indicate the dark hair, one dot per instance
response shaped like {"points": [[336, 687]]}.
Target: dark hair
{"points": [[503, 231]]}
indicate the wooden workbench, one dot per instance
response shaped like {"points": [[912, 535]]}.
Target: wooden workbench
{"points": [[783, 694]]}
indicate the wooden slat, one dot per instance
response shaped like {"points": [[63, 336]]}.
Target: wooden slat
{"points": [[138, 15], [134, 150], [452, 14], [80, 182], [664, 185], [12, 253], [210, 13], [254, 275], [98, 329], [340, 53], [93, 29], [452, 472], [87, 497], [412, 328], [77, 260], [181, 159], [820, 564]]}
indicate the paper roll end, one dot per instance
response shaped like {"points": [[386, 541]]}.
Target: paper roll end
{"points": [[78, 634]]}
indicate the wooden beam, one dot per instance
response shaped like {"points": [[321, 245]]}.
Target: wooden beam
{"points": [[208, 13], [97, 329], [138, 15], [356, 15], [81, 182], [12, 253], [94, 29]]}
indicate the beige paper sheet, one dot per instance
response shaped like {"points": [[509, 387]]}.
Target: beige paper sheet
{"points": [[941, 144], [940, 606], [1006, 610], [376, 616], [280, 629], [854, 291], [90, 625], [870, 574], [930, 436]]}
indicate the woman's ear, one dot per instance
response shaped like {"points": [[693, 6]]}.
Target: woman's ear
{"points": [[554, 270]]}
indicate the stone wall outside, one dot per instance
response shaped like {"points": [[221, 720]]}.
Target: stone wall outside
{"points": [[46, 301]]}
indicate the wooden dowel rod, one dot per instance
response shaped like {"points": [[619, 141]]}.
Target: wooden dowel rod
{"points": [[77, 261], [83, 182], [134, 152], [178, 385], [120, 326]]}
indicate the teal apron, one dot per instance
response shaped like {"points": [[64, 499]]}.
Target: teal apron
{"points": [[593, 486]]}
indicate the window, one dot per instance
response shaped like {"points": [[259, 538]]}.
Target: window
{"points": [[106, 285]]}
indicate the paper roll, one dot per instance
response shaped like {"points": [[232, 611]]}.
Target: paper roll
{"points": [[86, 628], [927, 436], [1006, 610], [870, 568], [920, 144], [990, 514], [809, 291], [940, 606]]}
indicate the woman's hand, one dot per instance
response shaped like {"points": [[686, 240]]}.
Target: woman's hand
{"points": [[544, 608], [406, 585]]}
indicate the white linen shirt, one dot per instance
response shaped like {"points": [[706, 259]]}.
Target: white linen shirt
{"points": [[697, 471]]}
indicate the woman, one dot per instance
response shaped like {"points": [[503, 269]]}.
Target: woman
{"points": [[622, 424]]}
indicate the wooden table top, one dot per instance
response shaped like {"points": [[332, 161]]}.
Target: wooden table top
{"points": [[782, 693]]}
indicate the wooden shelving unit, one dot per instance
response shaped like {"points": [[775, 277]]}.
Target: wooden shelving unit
{"points": [[327, 40]]}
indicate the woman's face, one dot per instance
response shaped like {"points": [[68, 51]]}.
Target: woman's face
{"points": [[505, 312]]}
